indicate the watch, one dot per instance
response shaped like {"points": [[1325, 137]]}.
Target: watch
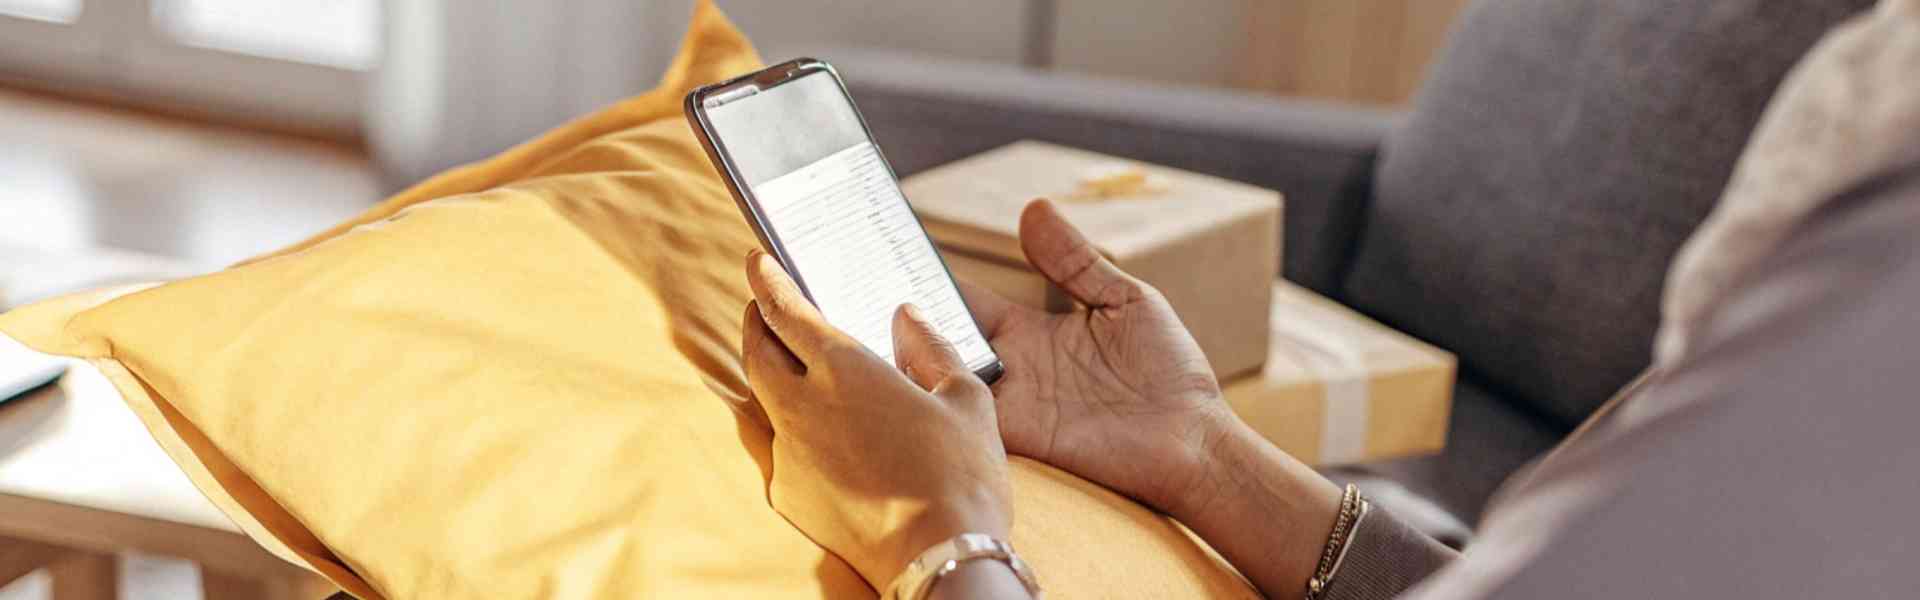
{"points": [[917, 580]]}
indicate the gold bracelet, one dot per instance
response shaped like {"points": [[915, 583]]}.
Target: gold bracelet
{"points": [[1352, 508], [916, 582]]}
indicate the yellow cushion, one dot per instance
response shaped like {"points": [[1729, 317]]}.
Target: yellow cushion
{"points": [[511, 382]]}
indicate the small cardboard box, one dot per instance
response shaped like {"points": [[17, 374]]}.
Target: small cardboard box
{"points": [[1339, 388], [1210, 245]]}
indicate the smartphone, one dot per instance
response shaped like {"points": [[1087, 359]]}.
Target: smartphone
{"points": [[811, 181]]}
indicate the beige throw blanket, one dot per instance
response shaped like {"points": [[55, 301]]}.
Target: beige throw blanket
{"points": [[1846, 115]]}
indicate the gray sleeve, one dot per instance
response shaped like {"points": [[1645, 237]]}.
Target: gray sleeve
{"points": [[1386, 557], [1774, 461]]}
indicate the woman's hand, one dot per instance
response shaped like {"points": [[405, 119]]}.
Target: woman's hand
{"points": [[872, 464], [1119, 393]]}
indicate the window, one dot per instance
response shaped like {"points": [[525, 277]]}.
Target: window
{"points": [[57, 11], [337, 33], [293, 64]]}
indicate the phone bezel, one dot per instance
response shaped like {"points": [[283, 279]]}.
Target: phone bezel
{"points": [[769, 78]]}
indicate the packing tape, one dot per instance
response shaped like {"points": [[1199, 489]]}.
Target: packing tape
{"points": [[1343, 373]]}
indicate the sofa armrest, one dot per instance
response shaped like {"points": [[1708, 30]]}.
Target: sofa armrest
{"points": [[928, 112]]}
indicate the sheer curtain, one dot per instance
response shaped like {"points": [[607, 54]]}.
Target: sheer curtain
{"points": [[462, 80]]}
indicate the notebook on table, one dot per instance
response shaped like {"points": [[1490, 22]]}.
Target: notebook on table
{"points": [[23, 370]]}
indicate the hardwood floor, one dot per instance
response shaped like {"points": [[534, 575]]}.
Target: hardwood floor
{"points": [[76, 175]]}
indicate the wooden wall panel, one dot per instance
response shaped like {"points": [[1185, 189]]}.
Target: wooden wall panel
{"points": [[1192, 42], [1370, 51]]}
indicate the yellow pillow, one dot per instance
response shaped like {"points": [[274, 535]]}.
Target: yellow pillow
{"points": [[511, 381]]}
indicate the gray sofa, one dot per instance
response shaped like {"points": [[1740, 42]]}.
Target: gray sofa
{"points": [[1522, 214]]}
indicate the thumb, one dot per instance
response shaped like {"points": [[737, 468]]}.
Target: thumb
{"points": [[1068, 260], [925, 356]]}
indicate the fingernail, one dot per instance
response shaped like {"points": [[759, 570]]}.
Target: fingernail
{"points": [[913, 312]]}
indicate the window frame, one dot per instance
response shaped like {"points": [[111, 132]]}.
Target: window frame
{"points": [[120, 49]]}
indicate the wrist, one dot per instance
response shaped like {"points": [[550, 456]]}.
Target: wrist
{"points": [[1210, 467], [936, 523], [1258, 505]]}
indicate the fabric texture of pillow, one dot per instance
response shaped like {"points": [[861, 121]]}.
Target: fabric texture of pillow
{"points": [[512, 381]]}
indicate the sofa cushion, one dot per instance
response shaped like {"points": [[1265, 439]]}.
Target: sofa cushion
{"points": [[1559, 153]]}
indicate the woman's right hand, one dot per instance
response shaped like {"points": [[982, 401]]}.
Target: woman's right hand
{"points": [[1118, 393]]}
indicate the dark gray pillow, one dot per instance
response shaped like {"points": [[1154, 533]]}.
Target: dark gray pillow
{"points": [[1559, 153]]}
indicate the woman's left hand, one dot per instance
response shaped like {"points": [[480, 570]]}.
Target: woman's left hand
{"points": [[874, 463]]}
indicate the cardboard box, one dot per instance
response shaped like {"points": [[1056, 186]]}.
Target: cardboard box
{"points": [[1210, 245], [1339, 388]]}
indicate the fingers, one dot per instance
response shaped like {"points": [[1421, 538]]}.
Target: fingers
{"points": [[922, 353], [767, 362], [989, 309], [1065, 257], [787, 312]]}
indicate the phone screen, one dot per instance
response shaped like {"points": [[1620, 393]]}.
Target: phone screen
{"points": [[832, 205]]}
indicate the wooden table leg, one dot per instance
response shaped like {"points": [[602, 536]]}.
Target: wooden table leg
{"points": [[221, 586], [20, 557], [86, 576], [106, 532], [215, 585]]}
